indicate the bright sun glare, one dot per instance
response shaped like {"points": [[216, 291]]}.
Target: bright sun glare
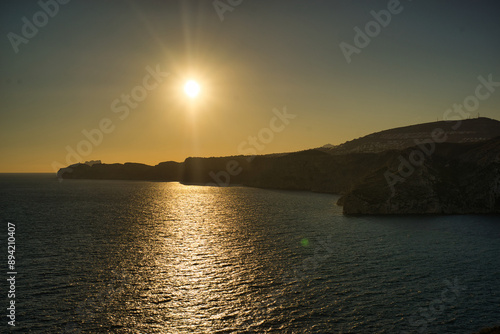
{"points": [[192, 88]]}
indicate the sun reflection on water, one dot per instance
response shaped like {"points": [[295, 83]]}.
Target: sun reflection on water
{"points": [[202, 263]]}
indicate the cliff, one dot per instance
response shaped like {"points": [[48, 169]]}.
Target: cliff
{"points": [[455, 179], [450, 168], [310, 170], [165, 171]]}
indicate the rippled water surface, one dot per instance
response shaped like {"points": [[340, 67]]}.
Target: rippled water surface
{"points": [[152, 257]]}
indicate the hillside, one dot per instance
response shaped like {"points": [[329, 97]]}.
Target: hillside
{"points": [[439, 168], [455, 179], [467, 131]]}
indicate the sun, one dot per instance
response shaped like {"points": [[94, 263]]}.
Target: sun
{"points": [[192, 88]]}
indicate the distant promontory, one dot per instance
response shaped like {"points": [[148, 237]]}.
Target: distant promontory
{"points": [[446, 167]]}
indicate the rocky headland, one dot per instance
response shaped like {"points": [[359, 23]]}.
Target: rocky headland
{"points": [[432, 168]]}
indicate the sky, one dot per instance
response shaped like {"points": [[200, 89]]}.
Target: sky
{"points": [[103, 80]]}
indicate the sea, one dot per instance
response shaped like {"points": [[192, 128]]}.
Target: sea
{"points": [[98, 256]]}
